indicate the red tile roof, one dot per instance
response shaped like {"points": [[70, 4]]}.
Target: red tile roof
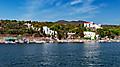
{"points": [[87, 22]]}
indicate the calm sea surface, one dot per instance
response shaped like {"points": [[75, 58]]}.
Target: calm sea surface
{"points": [[60, 55]]}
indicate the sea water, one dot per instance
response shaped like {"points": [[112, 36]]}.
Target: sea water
{"points": [[60, 55]]}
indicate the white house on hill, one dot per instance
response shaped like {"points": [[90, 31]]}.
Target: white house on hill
{"points": [[48, 31], [92, 25], [91, 35], [28, 25]]}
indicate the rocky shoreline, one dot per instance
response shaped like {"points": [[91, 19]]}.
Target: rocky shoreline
{"points": [[83, 41], [62, 41]]}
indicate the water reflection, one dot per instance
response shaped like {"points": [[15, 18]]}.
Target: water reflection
{"points": [[91, 54]]}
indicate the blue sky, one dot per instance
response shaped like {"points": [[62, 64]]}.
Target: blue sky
{"points": [[98, 11]]}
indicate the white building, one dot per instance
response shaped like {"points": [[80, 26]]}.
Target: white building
{"points": [[70, 34], [92, 25], [48, 31], [91, 35], [28, 25], [88, 24], [31, 26]]}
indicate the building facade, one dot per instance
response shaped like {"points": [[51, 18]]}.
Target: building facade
{"points": [[90, 35], [47, 31], [92, 25]]}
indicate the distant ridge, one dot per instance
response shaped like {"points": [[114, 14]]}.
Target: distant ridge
{"points": [[70, 22], [59, 22]]}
